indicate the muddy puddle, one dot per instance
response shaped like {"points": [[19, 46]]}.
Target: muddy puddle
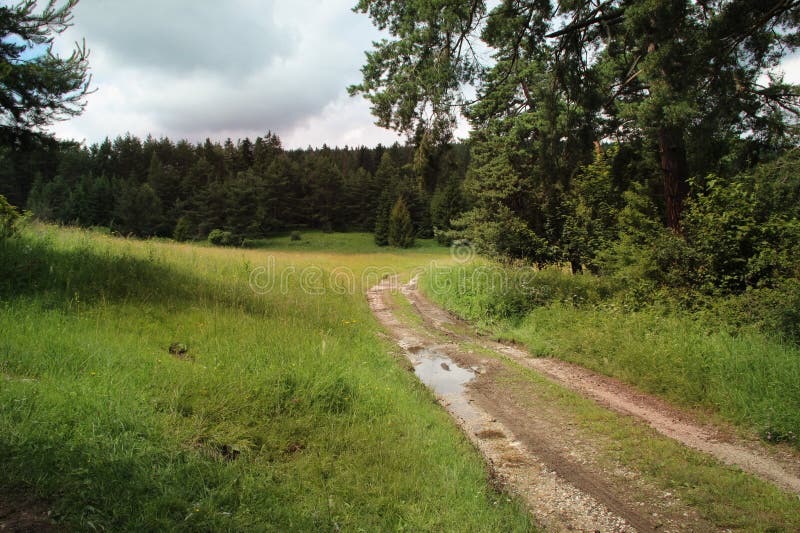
{"points": [[439, 372]]}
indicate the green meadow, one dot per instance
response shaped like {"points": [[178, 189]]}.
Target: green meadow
{"points": [[146, 385]]}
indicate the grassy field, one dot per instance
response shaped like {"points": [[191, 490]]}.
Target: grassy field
{"points": [[318, 241], [746, 377], [145, 385]]}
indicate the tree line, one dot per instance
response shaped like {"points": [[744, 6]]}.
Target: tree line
{"points": [[248, 188]]}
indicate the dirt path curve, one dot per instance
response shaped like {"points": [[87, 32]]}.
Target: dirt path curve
{"points": [[524, 451], [533, 446], [751, 456]]}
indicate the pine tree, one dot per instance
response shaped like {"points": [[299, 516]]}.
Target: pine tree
{"points": [[382, 219], [401, 228], [38, 86], [446, 204], [691, 78]]}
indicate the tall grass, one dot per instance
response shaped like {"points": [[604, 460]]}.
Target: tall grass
{"points": [[747, 377], [285, 412]]}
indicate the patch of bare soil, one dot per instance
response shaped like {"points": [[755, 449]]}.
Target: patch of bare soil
{"points": [[20, 514], [776, 464]]}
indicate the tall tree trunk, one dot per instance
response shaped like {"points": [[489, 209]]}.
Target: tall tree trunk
{"points": [[675, 170]]}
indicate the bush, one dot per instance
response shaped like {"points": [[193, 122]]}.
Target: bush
{"points": [[774, 310], [295, 236], [490, 292], [9, 219], [744, 232], [220, 237]]}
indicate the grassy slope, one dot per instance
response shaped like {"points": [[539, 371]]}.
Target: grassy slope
{"points": [[749, 379], [287, 415]]}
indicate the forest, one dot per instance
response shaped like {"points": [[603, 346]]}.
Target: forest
{"points": [[245, 190]]}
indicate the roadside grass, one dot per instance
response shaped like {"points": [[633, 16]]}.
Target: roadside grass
{"points": [[277, 411], [745, 377], [723, 495]]}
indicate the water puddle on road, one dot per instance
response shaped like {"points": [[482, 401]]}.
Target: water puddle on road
{"points": [[440, 373]]}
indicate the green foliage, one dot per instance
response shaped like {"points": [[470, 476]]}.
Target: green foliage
{"points": [[219, 237], [490, 292], [39, 87], [500, 234], [592, 208], [447, 203], [296, 236], [630, 257], [401, 229], [517, 178], [9, 219], [137, 209], [252, 189], [382, 220], [567, 77], [739, 234], [745, 231], [775, 310]]}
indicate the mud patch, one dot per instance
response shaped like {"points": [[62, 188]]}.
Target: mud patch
{"points": [[23, 515], [490, 434]]}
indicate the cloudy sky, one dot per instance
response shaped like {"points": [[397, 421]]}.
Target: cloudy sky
{"points": [[195, 69], [202, 68]]}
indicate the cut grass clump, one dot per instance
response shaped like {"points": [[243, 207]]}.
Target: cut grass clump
{"points": [[285, 414]]}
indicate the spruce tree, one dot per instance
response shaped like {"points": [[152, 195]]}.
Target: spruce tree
{"points": [[382, 220], [401, 228]]}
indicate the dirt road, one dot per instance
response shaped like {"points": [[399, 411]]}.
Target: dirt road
{"points": [[534, 447]]}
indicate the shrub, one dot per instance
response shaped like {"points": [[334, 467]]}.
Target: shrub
{"points": [[774, 310], [220, 237], [744, 232], [9, 219]]}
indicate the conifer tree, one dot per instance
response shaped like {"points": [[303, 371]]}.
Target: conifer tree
{"points": [[401, 228], [38, 87], [686, 76], [382, 219]]}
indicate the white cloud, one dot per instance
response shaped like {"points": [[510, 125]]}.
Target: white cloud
{"points": [[345, 119], [195, 69], [231, 69], [791, 68]]}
